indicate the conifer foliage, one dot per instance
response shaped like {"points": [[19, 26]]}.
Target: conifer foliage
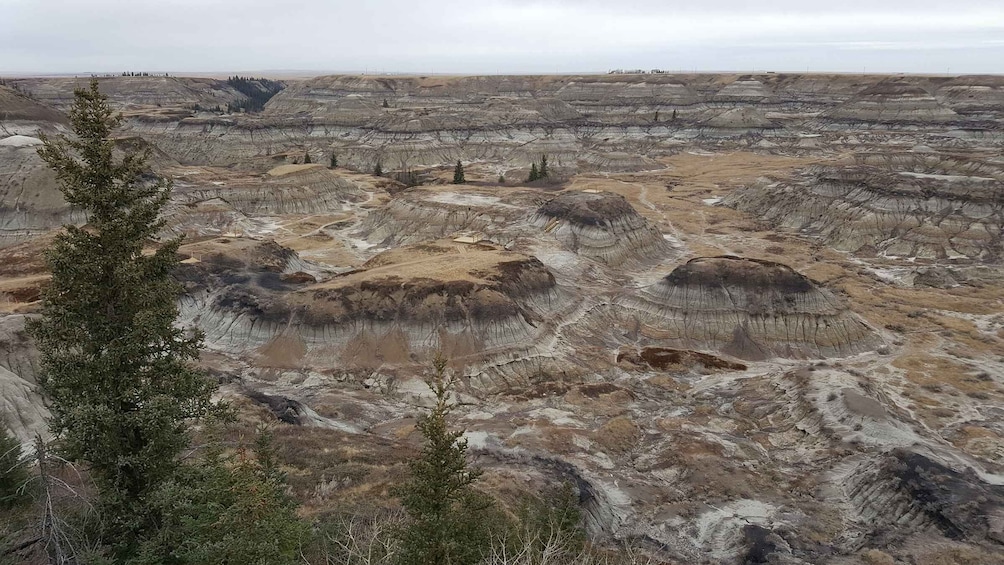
{"points": [[449, 521], [534, 174], [226, 509], [458, 174], [539, 172], [115, 368]]}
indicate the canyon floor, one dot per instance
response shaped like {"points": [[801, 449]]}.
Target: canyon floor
{"points": [[753, 319]]}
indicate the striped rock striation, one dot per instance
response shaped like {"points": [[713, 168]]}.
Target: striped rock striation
{"points": [[401, 306], [418, 215], [750, 309], [933, 206], [602, 226]]}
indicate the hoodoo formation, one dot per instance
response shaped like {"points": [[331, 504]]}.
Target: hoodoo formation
{"points": [[750, 309], [602, 226], [753, 318]]}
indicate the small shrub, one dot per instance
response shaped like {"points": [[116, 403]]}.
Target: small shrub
{"points": [[14, 474]]}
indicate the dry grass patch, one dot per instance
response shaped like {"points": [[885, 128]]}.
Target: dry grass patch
{"points": [[934, 374], [618, 435], [980, 442]]}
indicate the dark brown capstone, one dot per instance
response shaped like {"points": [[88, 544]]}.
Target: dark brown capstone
{"points": [[588, 209], [731, 271]]}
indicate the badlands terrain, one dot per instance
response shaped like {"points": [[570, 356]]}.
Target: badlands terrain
{"points": [[752, 318]]}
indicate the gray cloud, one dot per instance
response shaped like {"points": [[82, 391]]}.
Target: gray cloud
{"points": [[500, 35]]}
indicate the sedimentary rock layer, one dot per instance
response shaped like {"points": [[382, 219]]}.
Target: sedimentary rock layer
{"points": [[20, 402], [603, 226], [914, 205], [469, 303], [30, 203], [580, 121], [418, 215], [747, 308]]}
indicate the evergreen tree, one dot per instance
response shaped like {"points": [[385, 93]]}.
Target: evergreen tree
{"points": [[115, 368], [534, 175], [458, 174], [306, 158], [378, 169], [226, 510], [334, 161], [543, 173], [674, 115], [385, 104], [448, 521], [501, 178]]}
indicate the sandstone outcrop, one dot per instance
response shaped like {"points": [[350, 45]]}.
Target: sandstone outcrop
{"points": [[602, 226], [22, 405], [401, 305], [30, 203], [913, 205], [417, 215], [749, 309]]}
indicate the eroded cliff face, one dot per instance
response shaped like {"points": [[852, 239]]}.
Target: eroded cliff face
{"points": [[418, 215], [30, 205], [935, 206], [401, 305], [580, 121], [602, 226], [750, 309], [134, 92], [23, 406]]}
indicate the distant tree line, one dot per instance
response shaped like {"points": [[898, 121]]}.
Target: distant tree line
{"points": [[258, 92]]}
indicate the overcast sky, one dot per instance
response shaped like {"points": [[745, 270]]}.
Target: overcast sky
{"points": [[501, 36]]}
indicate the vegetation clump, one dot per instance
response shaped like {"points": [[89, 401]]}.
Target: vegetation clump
{"points": [[258, 91], [448, 519], [539, 172], [119, 373]]}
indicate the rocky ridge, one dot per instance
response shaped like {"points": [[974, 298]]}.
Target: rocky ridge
{"points": [[912, 205]]}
